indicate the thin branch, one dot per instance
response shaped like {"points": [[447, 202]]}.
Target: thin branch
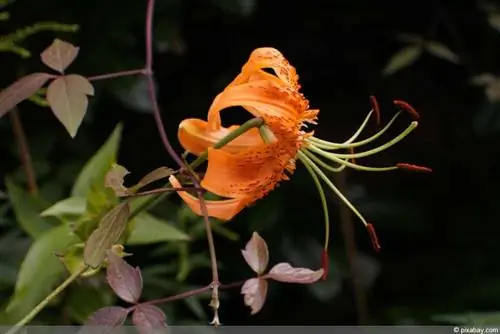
{"points": [[24, 151], [164, 138], [162, 190], [192, 293], [351, 253], [117, 74]]}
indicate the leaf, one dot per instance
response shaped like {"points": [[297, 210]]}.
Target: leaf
{"points": [[40, 270], [71, 206], [284, 272], [155, 175], [21, 90], [73, 260], [403, 58], [441, 51], [59, 55], [494, 21], [148, 229], [108, 232], [254, 293], [105, 320], [96, 168], [149, 319], [256, 254], [114, 180], [27, 210], [67, 97], [125, 280]]}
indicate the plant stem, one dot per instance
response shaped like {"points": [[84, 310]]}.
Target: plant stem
{"points": [[351, 253], [24, 151], [117, 74], [34, 312], [191, 293]]}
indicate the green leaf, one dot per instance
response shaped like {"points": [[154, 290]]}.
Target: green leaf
{"points": [[71, 206], [27, 209], [148, 229], [108, 232], [40, 270], [98, 166], [442, 51], [67, 97], [403, 58], [155, 175]]}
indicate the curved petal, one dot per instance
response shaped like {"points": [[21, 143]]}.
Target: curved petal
{"points": [[268, 57], [252, 172], [263, 99], [223, 209], [195, 138]]}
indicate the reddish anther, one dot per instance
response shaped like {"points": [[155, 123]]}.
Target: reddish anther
{"points": [[414, 168], [406, 107], [373, 237], [351, 151], [325, 264], [376, 108]]}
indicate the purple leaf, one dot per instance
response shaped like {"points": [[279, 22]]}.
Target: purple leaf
{"points": [[59, 55], [284, 272], [125, 280], [21, 90], [256, 253], [149, 319], [254, 293], [105, 320]]}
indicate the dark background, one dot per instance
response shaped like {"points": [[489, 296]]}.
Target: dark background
{"points": [[439, 232]]}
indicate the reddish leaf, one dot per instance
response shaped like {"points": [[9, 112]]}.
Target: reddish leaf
{"points": [[155, 175], [284, 272], [149, 319], [256, 253], [59, 55], [105, 320], [67, 96], [21, 90], [125, 280], [254, 293], [114, 180]]}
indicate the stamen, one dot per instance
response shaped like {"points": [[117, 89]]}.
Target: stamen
{"points": [[373, 237], [407, 107], [328, 145], [267, 135], [381, 148], [376, 108], [332, 157], [330, 184], [414, 168], [323, 164], [348, 141], [324, 204]]}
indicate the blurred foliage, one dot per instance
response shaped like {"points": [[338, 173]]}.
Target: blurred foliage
{"points": [[438, 232]]}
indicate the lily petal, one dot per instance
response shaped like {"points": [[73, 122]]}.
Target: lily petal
{"points": [[263, 99], [195, 137], [252, 172], [268, 57], [223, 209]]}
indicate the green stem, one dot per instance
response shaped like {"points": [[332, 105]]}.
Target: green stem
{"points": [[154, 200], [34, 312]]}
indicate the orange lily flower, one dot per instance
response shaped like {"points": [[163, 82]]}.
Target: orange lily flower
{"points": [[253, 164]]}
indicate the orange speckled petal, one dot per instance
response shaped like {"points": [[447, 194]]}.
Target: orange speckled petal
{"points": [[268, 58], [261, 98], [223, 209], [195, 137], [252, 172]]}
